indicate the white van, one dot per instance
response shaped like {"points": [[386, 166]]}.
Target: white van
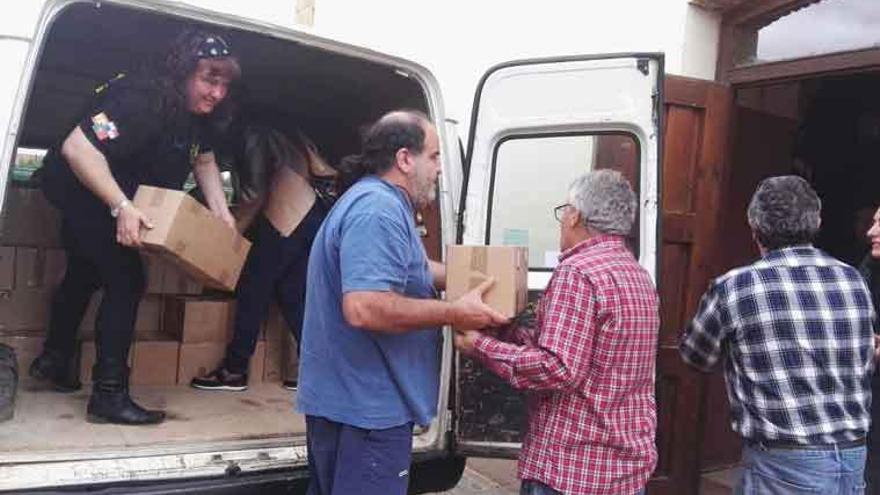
{"points": [[536, 124]]}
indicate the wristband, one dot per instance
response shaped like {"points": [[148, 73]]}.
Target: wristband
{"points": [[114, 212]]}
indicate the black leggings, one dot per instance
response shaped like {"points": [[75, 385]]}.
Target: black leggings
{"points": [[276, 267], [96, 261]]}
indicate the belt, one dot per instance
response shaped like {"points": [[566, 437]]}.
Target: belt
{"points": [[783, 444]]}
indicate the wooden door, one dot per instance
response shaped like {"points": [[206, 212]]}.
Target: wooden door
{"points": [[693, 430]]}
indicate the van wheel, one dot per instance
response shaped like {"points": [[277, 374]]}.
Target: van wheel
{"points": [[436, 475], [8, 382]]}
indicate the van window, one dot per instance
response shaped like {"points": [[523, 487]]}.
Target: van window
{"points": [[825, 27], [27, 161], [532, 176]]}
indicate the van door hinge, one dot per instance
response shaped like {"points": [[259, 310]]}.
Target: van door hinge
{"points": [[643, 65], [655, 113]]}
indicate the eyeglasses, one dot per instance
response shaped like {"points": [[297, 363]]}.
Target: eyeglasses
{"points": [[559, 211]]}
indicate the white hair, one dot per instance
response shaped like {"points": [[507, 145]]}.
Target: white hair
{"points": [[605, 201]]}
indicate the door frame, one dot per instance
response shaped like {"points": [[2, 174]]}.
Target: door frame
{"points": [[740, 24]]}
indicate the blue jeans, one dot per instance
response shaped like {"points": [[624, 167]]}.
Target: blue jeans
{"points": [[346, 460], [532, 487], [772, 471]]}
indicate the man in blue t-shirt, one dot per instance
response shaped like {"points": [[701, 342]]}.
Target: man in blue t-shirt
{"points": [[370, 354]]}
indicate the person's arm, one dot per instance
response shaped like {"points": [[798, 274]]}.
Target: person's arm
{"points": [[438, 273], [559, 359], [376, 254], [90, 167], [701, 342], [393, 313], [207, 175]]}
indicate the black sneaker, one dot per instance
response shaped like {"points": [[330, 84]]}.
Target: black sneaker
{"points": [[289, 384], [53, 369], [220, 379]]}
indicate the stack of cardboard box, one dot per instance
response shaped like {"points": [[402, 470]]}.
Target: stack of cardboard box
{"points": [[179, 333], [31, 265]]}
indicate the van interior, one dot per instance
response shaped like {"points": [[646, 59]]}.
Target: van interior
{"points": [[290, 85]]}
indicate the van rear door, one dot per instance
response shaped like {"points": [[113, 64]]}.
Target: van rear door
{"points": [[535, 126]]}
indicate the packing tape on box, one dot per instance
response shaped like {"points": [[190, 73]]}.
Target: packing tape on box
{"points": [[479, 266]]}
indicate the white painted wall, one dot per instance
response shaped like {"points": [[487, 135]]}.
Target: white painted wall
{"points": [[460, 39]]}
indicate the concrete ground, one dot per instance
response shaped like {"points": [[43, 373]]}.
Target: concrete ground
{"points": [[498, 477], [487, 477]]}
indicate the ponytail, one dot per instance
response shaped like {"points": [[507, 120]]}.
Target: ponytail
{"points": [[351, 169]]}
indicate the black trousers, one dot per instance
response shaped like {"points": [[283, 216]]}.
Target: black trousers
{"points": [[96, 261], [276, 268]]}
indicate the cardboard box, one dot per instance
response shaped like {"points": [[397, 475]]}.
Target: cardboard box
{"points": [[257, 366], [178, 282], [202, 358], [7, 268], [273, 367], [198, 360], [275, 326], [281, 357], [29, 219], [39, 268], [147, 325], [154, 362], [281, 361], [165, 278], [290, 369], [24, 310], [187, 234], [468, 266], [154, 271], [87, 355], [193, 320]]}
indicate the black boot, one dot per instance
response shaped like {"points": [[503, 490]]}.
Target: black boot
{"points": [[110, 402], [57, 369]]}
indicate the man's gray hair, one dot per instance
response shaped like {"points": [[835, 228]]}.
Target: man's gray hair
{"points": [[605, 200], [784, 211]]}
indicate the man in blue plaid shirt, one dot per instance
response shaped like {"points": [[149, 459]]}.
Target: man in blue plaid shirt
{"points": [[796, 330]]}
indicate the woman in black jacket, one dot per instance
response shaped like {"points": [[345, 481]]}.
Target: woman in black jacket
{"points": [[146, 128]]}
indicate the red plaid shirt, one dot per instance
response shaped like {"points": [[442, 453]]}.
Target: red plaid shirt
{"points": [[588, 369]]}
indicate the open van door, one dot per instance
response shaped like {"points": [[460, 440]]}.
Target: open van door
{"points": [[535, 126]]}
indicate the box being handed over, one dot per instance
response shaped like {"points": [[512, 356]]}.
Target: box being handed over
{"points": [[467, 266], [190, 236]]}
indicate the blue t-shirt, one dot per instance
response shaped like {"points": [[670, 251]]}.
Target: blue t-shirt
{"points": [[372, 380]]}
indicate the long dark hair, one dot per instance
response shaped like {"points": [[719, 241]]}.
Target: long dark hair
{"points": [[380, 144], [171, 72], [265, 151]]}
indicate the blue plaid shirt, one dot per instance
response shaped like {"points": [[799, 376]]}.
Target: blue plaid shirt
{"points": [[796, 328]]}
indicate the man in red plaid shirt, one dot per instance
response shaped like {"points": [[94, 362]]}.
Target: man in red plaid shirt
{"points": [[588, 364]]}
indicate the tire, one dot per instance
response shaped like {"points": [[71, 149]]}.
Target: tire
{"points": [[436, 475], [8, 382]]}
